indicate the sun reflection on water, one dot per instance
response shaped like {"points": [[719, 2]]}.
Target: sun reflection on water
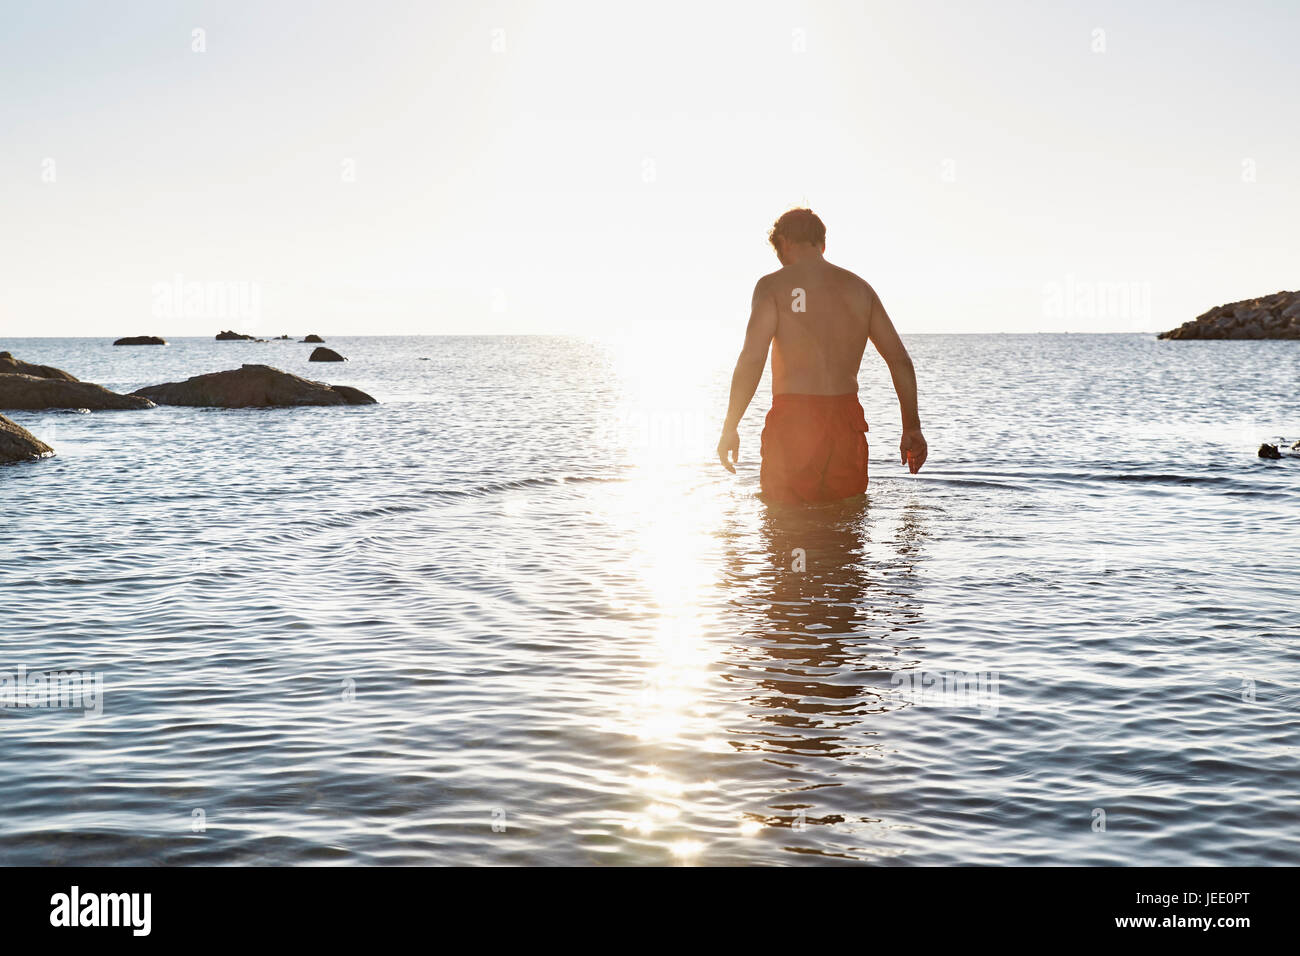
{"points": [[664, 426], [739, 662]]}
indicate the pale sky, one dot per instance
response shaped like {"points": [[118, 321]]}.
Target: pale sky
{"points": [[586, 167]]}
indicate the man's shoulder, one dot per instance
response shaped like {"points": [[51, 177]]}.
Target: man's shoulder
{"points": [[860, 289], [850, 276], [767, 284]]}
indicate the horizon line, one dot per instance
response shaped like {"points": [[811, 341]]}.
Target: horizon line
{"points": [[548, 335]]}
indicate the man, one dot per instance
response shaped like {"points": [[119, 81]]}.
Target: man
{"points": [[817, 318]]}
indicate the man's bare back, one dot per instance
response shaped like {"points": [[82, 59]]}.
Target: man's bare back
{"points": [[823, 321], [817, 319]]}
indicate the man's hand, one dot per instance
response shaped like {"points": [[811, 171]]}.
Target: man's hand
{"points": [[912, 448], [729, 444]]}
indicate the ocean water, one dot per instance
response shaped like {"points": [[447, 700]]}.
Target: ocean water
{"points": [[517, 614]]}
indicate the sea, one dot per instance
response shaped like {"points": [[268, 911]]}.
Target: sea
{"points": [[517, 613]]}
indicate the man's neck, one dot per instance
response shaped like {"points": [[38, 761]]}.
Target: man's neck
{"points": [[800, 254]]}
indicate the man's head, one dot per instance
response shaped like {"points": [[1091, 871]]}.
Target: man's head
{"points": [[796, 233]]}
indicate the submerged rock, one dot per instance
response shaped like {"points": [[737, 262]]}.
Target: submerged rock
{"points": [[313, 338], [252, 386], [30, 393], [1275, 316], [18, 444], [11, 365], [228, 336], [325, 355], [141, 340], [1269, 451]]}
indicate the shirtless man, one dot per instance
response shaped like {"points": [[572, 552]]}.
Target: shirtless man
{"points": [[817, 318]]}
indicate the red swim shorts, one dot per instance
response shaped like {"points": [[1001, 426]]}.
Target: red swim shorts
{"points": [[814, 448]]}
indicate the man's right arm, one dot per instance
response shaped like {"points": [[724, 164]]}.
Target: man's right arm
{"points": [[749, 370], [885, 338]]}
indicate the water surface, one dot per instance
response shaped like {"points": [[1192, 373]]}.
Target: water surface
{"points": [[517, 613]]}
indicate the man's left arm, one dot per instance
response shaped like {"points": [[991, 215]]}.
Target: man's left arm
{"points": [[749, 371]]}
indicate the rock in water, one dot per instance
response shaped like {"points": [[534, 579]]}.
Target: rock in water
{"points": [[141, 340], [313, 339], [252, 386], [18, 444], [354, 396], [29, 393], [228, 336], [1269, 451], [11, 365], [1275, 316], [323, 354]]}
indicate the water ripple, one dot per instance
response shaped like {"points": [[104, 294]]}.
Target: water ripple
{"points": [[497, 619]]}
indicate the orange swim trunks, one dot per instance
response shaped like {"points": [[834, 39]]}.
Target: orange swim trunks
{"points": [[814, 448]]}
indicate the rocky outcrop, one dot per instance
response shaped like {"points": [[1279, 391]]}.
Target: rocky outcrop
{"points": [[141, 340], [354, 396], [1276, 316], [252, 386], [228, 336], [30, 393], [18, 444], [313, 339], [10, 365], [323, 354]]}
